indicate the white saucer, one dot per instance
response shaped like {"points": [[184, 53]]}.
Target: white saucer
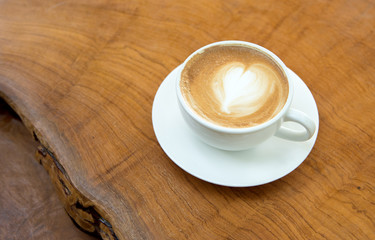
{"points": [[268, 162]]}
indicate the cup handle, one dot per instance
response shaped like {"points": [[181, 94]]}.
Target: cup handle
{"points": [[300, 118]]}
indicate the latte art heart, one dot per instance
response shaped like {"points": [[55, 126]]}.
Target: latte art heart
{"points": [[234, 86], [242, 90]]}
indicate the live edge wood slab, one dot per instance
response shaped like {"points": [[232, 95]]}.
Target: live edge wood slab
{"points": [[82, 76], [29, 205]]}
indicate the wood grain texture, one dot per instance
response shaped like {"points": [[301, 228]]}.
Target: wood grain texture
{"points": [[29, 206], [83, 74]]}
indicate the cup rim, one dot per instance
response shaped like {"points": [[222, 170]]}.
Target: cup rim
{"points": [[223, 129]]}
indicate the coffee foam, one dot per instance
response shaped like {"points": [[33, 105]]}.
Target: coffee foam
{"points": [[242, 90], [234, 86]]}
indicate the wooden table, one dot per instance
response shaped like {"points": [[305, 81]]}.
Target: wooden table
{"points": [[29, 205], [82, 75]]}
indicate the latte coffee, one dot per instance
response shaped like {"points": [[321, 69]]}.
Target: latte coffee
{"points": [[234, 86]]}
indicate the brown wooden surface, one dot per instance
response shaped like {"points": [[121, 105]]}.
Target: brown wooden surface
{"points": [[83, 74], [29, 206]]}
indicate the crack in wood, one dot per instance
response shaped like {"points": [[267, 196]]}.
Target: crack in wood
{"points": [[81, 210]]}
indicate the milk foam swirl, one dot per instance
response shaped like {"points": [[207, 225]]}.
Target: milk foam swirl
{"points": [[234, 86], [242, 90]]}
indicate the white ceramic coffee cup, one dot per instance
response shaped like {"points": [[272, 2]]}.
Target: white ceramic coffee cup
{"points": [[235, 139]]}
